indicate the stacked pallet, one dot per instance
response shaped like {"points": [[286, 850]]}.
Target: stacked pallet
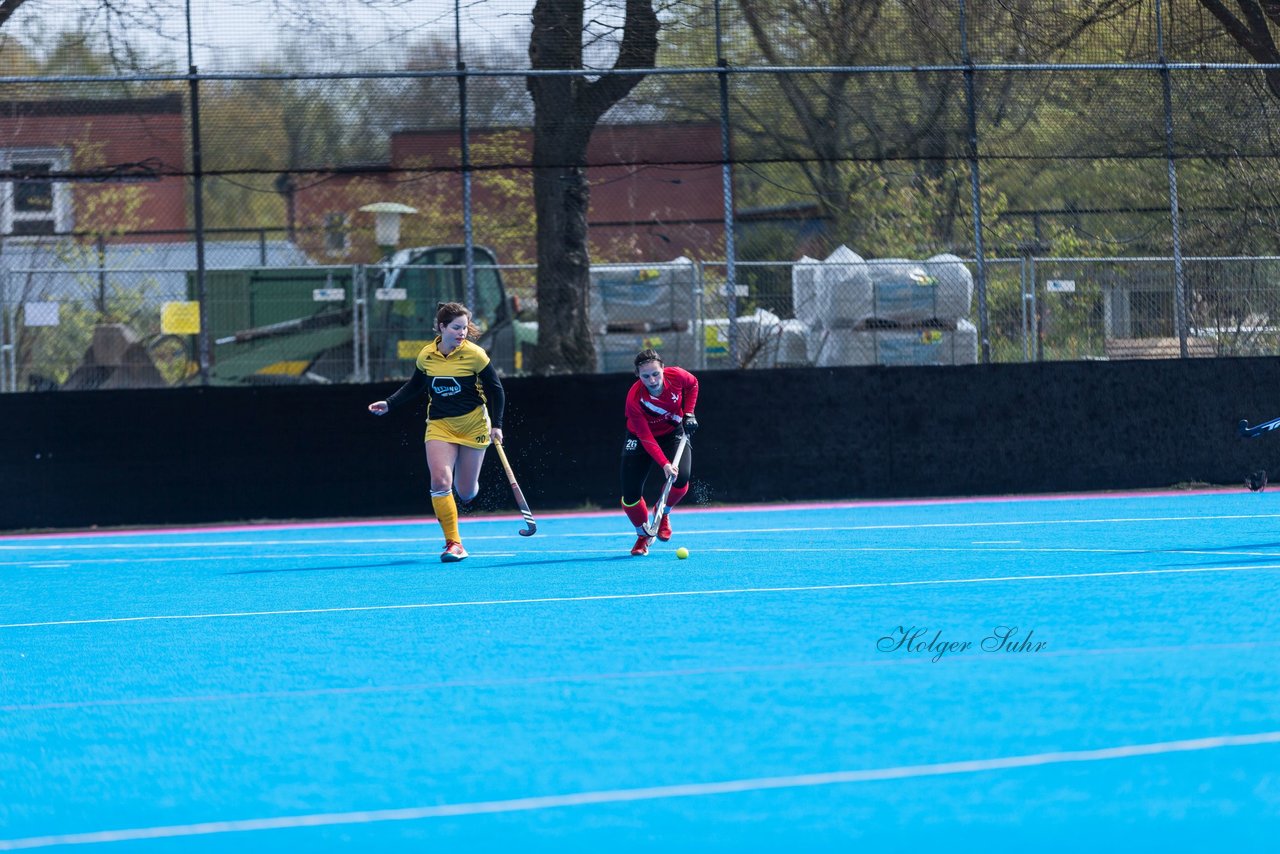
{"points": [[886, 312], [637, 306]]}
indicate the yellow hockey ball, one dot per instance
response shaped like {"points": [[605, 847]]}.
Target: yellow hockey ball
{"points": [[682, 553]]}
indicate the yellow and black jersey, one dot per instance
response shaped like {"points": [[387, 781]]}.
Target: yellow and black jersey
{"points": [[456, 384]]}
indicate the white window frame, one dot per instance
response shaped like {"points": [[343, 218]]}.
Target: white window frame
{"points": [[61, 215]]}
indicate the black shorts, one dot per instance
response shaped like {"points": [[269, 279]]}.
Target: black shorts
{"points": [[637, 464]]}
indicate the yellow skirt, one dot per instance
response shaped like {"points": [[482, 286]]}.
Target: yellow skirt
{"points": [[470, 430]]}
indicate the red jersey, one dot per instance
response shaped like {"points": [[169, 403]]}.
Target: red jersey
{"points": [[650, 416]]}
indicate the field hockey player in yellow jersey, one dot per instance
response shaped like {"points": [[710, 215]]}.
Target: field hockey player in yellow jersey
{"points": [[460, 382]]}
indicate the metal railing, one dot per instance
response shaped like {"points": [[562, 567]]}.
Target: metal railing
{"points": [[134, 328]]}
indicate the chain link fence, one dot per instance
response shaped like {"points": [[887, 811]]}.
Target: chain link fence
{"points": [[791, 181], [109, 329]]}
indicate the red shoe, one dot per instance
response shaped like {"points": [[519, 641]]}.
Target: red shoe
{"points": [[664, 527], [641, 548], [453, 552]]}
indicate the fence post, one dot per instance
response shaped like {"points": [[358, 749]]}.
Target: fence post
{"points": [[100, 254], [359, 324], [1025, 299], [468, 235], [203, 349], [1179, 282], [726, 180], [1037, 328], [700, 317], [975, 185], [6, 347]]}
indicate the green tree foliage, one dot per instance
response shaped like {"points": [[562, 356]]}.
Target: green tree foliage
{"points": [[264, 139], [835, 141]]}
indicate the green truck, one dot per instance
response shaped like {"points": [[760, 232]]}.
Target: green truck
{"points": [[350, 324]]}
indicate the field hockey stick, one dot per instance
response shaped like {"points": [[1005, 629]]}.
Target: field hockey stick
{"points": [[651, 529], [1247, 432], [531, 527]]}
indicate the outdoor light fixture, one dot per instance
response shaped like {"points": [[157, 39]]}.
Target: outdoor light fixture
{"points": [[386, 223]]}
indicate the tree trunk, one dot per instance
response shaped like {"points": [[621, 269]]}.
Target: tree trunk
{"points": [[7, 8], [1252, 31], [561, 196], [565, 112]]}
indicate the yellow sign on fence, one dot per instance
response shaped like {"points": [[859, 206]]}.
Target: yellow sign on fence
{"points": [[180, 318]]}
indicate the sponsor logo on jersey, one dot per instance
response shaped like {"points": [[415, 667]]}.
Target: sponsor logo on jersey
{"points": [[445, 386]]}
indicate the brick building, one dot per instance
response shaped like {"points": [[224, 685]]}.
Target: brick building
{"points": [[93, 166], [113, 170], [656, 194]]}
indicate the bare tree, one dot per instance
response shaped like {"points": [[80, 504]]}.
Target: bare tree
{"points": [[845, 133], [7, 8], [1252, 30], [566, 110]]}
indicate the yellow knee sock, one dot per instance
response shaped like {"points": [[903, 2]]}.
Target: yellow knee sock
{"points": [[447, 515]]}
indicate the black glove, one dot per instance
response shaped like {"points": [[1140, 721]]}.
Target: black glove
{"points": [[690, 424]]}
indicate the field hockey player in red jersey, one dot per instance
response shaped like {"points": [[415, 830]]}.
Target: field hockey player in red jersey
{"points": [[660, 420], [460, 382]]}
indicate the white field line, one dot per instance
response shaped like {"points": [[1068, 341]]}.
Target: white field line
{"points": [[635, 675], [425, 555], [649, 793], [606, 597], [537, 553], [166, 543]]}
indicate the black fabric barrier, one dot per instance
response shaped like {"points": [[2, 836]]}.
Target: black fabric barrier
{"points": [[74, 459]]}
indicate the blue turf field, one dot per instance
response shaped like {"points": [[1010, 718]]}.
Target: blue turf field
{"points": [[315, 687]]}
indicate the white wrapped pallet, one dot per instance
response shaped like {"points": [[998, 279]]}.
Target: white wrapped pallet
{"points": [[767, 341], [905, 291], [643, 297], [844, 289], [955, 284], [804, 292], [616, 351], [957, 346], [754, 336], [964, 348], [829, 348], [597, 322], [903, 346], [764, 341], [793, 342]]}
